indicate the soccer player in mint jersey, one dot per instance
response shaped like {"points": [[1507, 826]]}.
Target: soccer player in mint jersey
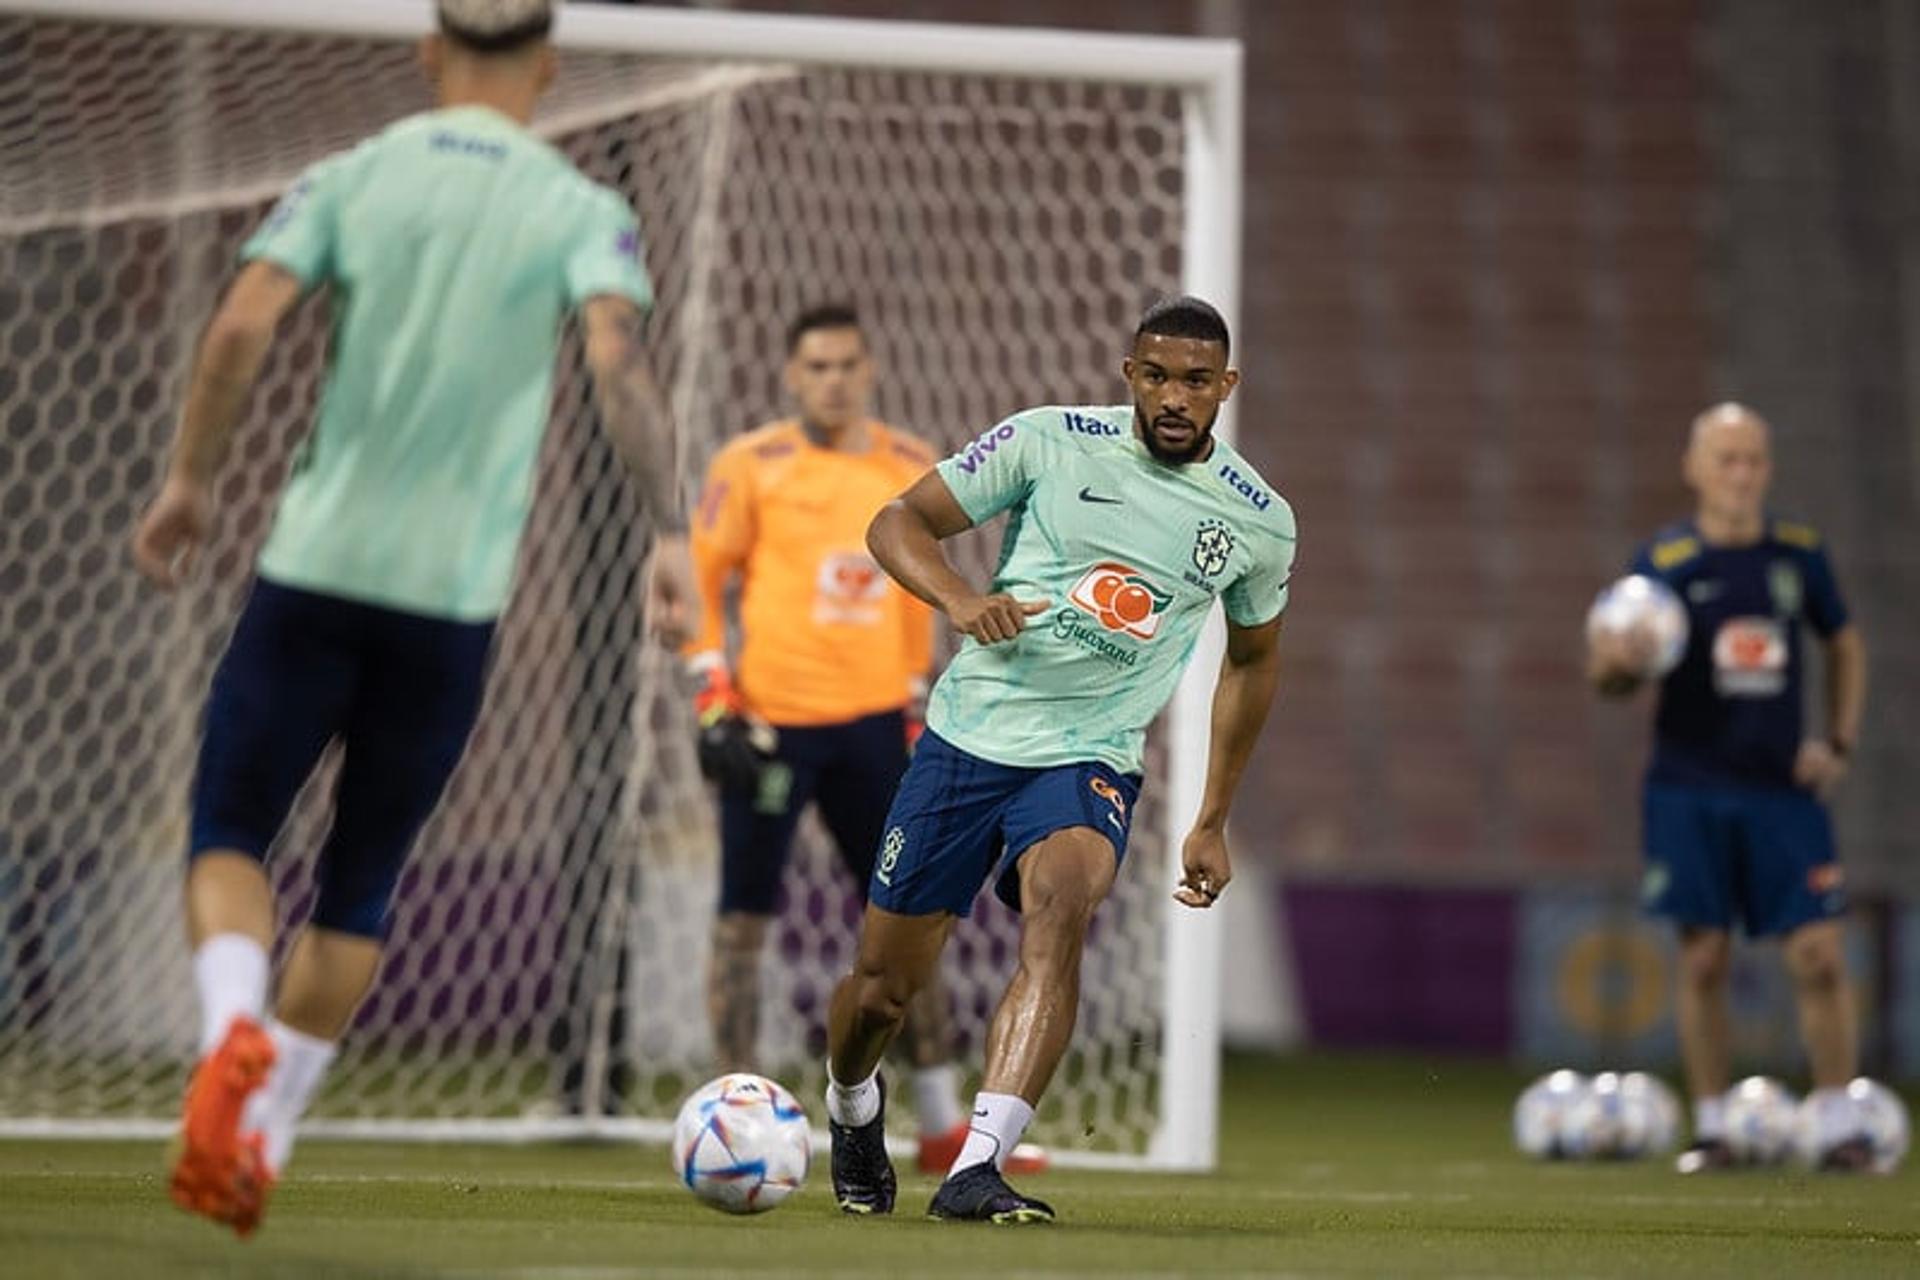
{"points": [[455, 243], [1735, 823], [1125, 524]]}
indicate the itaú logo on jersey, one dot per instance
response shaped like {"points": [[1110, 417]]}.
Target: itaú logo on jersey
{"points": [[1246, 488], [1122, 598]]}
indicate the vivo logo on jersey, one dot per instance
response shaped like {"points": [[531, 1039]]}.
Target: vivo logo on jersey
{"points": [[980, 449], [1246, 488], [1089, 426]]}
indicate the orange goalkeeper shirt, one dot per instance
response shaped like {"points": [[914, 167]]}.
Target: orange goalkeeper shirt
{"points": [[825, 635]]}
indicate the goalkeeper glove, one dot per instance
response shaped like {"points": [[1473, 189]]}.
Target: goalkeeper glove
{"points": [[732, 750]]}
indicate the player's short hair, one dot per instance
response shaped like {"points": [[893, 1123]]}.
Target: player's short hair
{"points": [[1185, 317], [496, 26], [826, 315]]}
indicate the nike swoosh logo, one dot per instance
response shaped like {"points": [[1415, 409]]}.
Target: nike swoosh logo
{"points": [[981, 1114], [1088, 495], [1115, 821]]}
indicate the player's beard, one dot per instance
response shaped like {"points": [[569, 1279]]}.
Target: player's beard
{"points": [[1175, 452]]}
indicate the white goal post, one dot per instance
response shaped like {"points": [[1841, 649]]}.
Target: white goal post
{"points": [[753, 116]]}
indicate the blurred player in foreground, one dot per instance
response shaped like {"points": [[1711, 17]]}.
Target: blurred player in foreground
{"points": [[456, 242], [1127, 522], [1735, 823], [833, 659]]}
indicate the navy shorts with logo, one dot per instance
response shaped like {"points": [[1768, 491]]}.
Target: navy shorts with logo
{"points": [[1717, 855], [849, 770], [400, 690], [959, 821]]}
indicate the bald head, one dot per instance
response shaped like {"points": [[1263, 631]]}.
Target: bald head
{"points": [[1729, 415], [1728, 465]]}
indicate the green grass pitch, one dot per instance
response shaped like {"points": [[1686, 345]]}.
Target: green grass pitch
{"points": [[1331, 1166]]}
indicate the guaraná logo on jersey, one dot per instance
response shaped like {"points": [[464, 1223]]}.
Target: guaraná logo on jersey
{"points": [[850, 590], [1750, 658], [1122, 599]]}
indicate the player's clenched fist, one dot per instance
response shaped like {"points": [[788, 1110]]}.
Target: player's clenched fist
{"points": [[171, 532], [1205, 868], [992, 619]]}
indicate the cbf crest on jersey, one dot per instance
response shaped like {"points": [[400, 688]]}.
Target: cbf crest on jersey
{"points": [[1212, 548], [1783, 584]]}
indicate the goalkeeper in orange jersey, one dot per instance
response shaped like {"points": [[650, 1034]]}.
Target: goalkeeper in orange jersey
{"points": [[822, 701]]}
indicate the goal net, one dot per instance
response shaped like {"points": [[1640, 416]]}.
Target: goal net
{"points": [[999, 232]]}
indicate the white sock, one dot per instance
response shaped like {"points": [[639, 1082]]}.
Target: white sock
{"points": [[1835, 1117], [231, 971], [1710, 1119], [275, 1110], [853, 1104], [936, 1098], [994, 1131]]}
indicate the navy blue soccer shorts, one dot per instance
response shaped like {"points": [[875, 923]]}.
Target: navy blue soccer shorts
{"points": [[400, 691], [1762, 858], [849, 770], [960, 821]]}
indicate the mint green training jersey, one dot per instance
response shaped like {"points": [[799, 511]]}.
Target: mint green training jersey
{"points": [[1130, 553], [456, 242]]}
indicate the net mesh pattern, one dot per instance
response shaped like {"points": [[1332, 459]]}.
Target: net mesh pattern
{"points": [[551, 929]]}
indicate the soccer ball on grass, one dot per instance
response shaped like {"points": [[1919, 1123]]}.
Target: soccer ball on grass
{"points": [[741, 1143]]}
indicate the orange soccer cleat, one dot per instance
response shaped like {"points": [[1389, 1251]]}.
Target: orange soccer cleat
{"points": [[218, 1172], [938, 1151]]}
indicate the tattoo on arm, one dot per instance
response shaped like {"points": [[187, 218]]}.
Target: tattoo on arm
{"points": [[634, 410]]}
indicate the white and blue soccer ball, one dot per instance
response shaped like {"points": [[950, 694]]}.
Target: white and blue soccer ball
{"points": [[1638, 603], [1876, 1111], [1762, 1120], [1546, 1116], [1883, 1116], [1654, 1110], [741, 1143], [1601, 1120], [1625, 1117]]}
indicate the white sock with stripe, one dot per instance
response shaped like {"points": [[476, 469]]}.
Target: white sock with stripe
{"points": [[999, 1120]]}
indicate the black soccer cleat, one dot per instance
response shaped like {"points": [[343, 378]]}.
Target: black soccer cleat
{"points": [[1709, 1155], [979, 1194], [863, 1180]]}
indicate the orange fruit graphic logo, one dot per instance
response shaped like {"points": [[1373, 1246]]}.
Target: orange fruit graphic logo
{"points": [[1122, 598]]}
